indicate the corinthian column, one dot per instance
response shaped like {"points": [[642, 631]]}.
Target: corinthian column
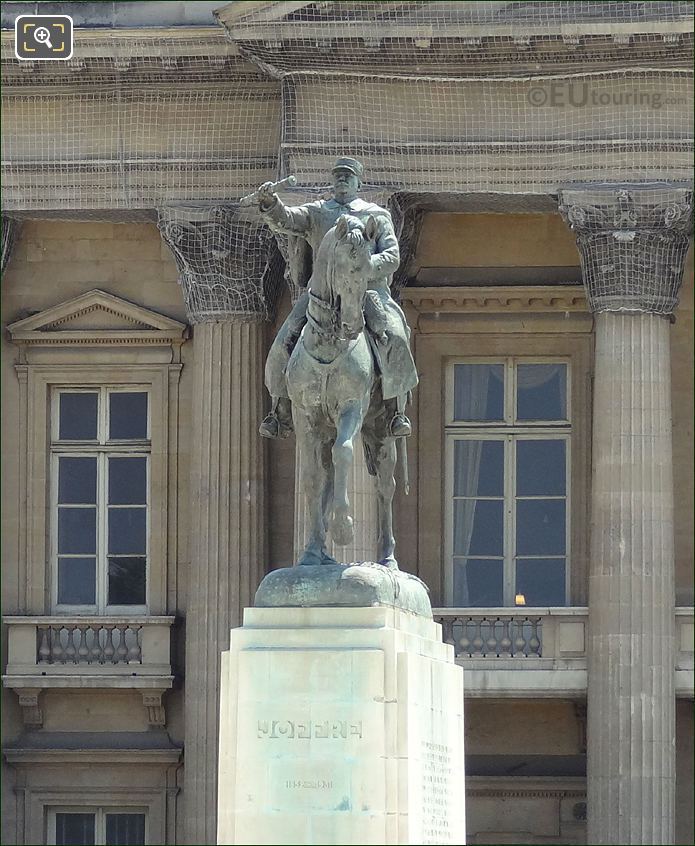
{"points": [[632, 241], [223, 266]]}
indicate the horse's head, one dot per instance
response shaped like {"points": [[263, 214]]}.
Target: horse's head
{"points": [[355, 243]]}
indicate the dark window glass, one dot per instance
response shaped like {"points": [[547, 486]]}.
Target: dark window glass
{"points": [[478, 468], [540, 527], [541, 580], [78, 417], [127, 415], [478, 392], [541, 392], [478, 582], [478, 527], [540, 468], [127, 528], [75, 829], [77, 530], [77, 480], [125, 829], [127, 481], [77, 581], [127, 581]]}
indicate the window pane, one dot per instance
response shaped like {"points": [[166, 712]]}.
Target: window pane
{"points": [[75, 829], [478, 582], [127, 531], [77, 581], [541, 580], [127, 481], [77, 480], [540, 527], [478, 527], [127, 581], [127, 415], [77, 530], [478, 392], [478, 468], [125, 829], [540, 468], [78, 417], [541, 392]]}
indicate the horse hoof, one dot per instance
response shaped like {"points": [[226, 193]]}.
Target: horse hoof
{"points": [[389, 562], [342, 530]]}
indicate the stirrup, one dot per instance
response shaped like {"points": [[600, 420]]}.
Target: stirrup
{"points": [[400, 426]]}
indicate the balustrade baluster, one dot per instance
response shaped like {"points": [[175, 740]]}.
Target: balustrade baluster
{"points": [[477, 642], [109, 648], [70, 651], [122, 650], [44, 651], [519, 639], [135, 650], [97, 651], [464, 640], [535, 641], [505, 643], [82, 649], [491, 642], [56, 645], [448, 630]]}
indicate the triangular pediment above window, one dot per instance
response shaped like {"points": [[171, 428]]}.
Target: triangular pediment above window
{"points": [[97, 317]]}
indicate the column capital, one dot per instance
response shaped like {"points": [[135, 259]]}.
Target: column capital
{"points": [[224, 260], [632, 242]]}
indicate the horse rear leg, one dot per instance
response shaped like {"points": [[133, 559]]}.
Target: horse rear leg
{"points": [[349, 424]]}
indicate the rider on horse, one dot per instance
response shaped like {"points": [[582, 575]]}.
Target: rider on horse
{"points": [[385, 320]]}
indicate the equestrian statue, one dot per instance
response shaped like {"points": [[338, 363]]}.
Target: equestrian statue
{"points": [[341, 364]]}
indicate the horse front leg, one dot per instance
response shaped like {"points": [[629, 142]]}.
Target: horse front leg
{"points": [[349, 424], [385, 489], [314, 478]]}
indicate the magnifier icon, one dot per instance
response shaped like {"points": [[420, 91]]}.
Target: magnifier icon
{"points": [[43, 36]]}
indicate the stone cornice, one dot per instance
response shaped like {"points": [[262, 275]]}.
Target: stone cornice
{"points": [[496, 299]]}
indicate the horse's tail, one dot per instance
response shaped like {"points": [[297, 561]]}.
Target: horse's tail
{"points": [[368, 457]]}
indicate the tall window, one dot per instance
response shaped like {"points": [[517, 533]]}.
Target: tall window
{"points": [[508, 449], [100, 444], [92, 826]]}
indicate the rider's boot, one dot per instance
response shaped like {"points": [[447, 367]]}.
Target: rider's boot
{"points": [[278, 424], [399, 426]]}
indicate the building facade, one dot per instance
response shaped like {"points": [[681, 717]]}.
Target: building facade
{"points": [[536, 160]]}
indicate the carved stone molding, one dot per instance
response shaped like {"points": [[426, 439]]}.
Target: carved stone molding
{"points": [[156, 713], [32, 712], [495, 300], [224, 261], [632, 241]]}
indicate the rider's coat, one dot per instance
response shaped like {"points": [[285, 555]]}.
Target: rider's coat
{"points": [[312, 221]]}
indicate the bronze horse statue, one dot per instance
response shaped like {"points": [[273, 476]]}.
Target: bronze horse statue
{"points": [[336, 393]]}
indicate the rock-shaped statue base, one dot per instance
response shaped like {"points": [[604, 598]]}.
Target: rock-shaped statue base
{"points": [[343, 585]]}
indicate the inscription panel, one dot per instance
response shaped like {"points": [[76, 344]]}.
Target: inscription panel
{"points": [[310, 736]]}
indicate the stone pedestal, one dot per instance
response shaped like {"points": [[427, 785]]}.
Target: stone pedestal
{"points": [[340, 725]]}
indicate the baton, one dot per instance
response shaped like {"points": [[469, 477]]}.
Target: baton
{"points": [[250, 199]]}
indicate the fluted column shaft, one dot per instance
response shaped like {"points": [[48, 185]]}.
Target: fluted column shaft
{"points": [[632, 243], [225, 270], [227, 534]]}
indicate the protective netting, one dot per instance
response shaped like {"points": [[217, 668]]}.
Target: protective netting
{"points": [[632, 243], [437, 99]]}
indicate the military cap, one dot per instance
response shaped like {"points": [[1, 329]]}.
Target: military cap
{"points": [[348, 163]]}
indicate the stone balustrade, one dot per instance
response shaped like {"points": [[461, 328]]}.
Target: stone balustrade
{"points": [[88, 652], [538, 652]]}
